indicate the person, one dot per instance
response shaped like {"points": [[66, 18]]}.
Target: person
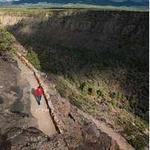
{"points": [[38, 94]]}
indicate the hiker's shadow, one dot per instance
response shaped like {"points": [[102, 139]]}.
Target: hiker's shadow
{"points": [[5, 144], [33, 93]]}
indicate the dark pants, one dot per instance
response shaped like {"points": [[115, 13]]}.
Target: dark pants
{"points": [[38, 98]]}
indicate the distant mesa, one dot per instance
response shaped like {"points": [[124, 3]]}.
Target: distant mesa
{"points": [[127, 3]]}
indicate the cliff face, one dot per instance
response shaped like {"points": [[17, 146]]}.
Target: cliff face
{"points": [[90, 29], [9, 20]]}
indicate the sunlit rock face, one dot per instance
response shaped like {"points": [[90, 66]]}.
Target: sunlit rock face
{"points": [[14, 97], [5, 20]]}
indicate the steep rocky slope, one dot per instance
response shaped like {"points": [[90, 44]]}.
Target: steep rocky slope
{"points": [[19, 128]]}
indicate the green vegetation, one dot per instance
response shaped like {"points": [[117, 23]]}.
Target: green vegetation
{"points": [[33, 58], [134, 130], [25, 12], [38, 11], [6, 41], [41, 10]]}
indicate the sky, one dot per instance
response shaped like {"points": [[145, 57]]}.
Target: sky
{"points": [[99, 0], [140, 2]]}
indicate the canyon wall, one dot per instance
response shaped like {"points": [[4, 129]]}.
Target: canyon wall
{"points": [[99, 30]]}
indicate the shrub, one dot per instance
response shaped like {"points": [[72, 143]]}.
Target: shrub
{"points": [[33, 58], [6, 41]]}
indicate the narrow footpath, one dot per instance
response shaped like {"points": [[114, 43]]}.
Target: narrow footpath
{"points": [[40, 112]]}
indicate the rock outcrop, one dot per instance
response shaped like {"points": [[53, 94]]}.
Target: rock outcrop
{"points": [[14, 95]]}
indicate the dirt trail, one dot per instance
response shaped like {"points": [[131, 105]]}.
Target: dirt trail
{"points": [[40, 112], [122, 143]]}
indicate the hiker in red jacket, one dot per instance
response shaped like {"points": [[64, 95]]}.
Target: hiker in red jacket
{"points": [[38, 93]]}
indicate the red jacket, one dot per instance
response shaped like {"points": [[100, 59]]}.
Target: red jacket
{"points": [[39, 91]]}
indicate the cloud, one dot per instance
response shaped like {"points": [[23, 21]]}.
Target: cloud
{"points": [[8, 0]]}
